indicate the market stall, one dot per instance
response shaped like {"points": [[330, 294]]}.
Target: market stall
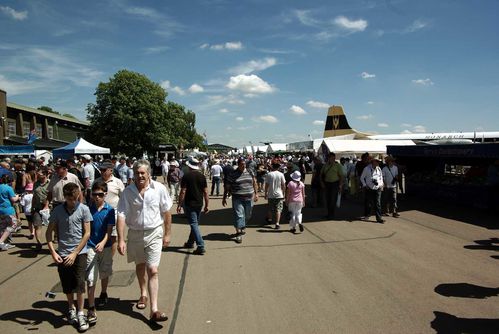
{"points": [[79, 146]]}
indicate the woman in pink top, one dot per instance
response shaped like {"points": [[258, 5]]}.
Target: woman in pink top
{"points": [[295, 199]]}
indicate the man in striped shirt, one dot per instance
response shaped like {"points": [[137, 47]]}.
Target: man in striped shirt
{"points": [[241, 184]]}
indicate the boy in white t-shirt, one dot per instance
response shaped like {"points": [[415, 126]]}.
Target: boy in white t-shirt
{"points": [[26, 201]]}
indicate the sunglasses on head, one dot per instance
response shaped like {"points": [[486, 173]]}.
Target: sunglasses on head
{"points": [[98, 194]]}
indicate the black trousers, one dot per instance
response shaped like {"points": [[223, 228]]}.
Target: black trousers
{"points": [[331, 195]]}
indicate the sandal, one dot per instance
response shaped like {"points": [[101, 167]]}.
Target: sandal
{"points": [[142, 303], [158, 316]]}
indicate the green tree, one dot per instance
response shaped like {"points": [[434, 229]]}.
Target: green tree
{"points": [[45, 108], [131, 115], [69, 115]]}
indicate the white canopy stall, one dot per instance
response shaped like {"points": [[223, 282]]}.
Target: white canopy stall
{"points": [[79, 146], [276, 148]]}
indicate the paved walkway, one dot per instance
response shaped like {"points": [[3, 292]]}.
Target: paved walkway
{"points": [[431, 270]]}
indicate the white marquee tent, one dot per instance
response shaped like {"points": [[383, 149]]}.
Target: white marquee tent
{"points": [[79, 146]]}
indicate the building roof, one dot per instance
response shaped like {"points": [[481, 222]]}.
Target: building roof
{"points": [[47, 114]]}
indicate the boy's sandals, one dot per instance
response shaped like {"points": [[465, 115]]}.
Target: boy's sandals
{"points": [[142, 303], [158, 316]]}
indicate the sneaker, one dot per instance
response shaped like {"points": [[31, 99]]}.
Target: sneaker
{"points": [[239, 239], [102, 300], [396, 215], [199, 251], [364, 218], [82, 323], [382, 221], [5, 246], [301, 227], [277, 226], [91, 315], [293, 230], [72, 319], [243, 231]]}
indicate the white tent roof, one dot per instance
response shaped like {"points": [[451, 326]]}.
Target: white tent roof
{"points": [[275, 147], [80, 146], [362, 146], [260, 148]]}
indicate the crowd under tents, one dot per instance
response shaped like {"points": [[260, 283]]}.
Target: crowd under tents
{"points": [[79, 146]]}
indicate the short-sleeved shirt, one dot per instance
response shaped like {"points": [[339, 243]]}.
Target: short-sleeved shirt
{"points": [[122, 170], [114, 190], [241, 183], [70, 227], [194, 182], [6, 193], [216, 170], [276, 182], [295, 191], [332, 172], [89, 172], [129, 174], [56, 184], [102, 219], [144, 213], [40, 192]]}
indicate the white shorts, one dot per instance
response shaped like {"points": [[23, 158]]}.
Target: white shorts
{"points": [[145, 246], [99, 264]]}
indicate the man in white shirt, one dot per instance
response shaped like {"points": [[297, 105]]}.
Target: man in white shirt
{"points": [[390, 180], [216, 174], [275, 188], [88, 175], [145, 208], [165, 166], [372, 180]]}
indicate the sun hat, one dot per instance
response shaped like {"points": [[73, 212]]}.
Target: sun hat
{"points": [[193, 163], [296, 175], [86, 157]]}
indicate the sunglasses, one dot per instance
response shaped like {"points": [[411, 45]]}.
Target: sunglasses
{"points": [[99, 194]]}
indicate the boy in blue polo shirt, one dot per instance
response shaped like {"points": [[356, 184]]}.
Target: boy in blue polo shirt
{"points": [[71, 220], [100, 257]]}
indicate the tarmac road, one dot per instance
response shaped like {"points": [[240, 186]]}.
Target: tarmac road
{"points": [[428, 271]]}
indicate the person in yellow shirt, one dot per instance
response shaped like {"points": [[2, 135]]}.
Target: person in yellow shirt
{"points": [[332, 178]]}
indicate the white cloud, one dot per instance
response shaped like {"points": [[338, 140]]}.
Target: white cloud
{"points": [[318, 105], [16, 15], [370, 103], [366, 75], [305, 18], [419, 129], [318, 122], [165, 25], [14, 87], [253, 66], [268, 119], [156, 49], [365, 117], [423, 82], [406, 125], [383, 125], [239, 119], [406, 132], [224, 46], [297, 110], [224, 110], [166, 85], [195, 88], [45, 70], [351, 25], [415, 26], [252, 84]]}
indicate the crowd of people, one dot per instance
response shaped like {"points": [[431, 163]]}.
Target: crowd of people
{"points": [[86, 205]]}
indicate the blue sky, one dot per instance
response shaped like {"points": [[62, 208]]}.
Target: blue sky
{"points": [[266, 70]]}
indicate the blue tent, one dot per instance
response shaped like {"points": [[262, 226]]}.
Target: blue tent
{"points": [[17, 150]]}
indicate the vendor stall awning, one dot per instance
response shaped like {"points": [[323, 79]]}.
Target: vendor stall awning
{"points": [[17, 150]]}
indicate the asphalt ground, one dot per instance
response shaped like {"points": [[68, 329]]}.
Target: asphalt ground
{"points": [[434, 269]]}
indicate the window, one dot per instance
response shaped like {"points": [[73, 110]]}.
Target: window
{"points": [[39, 131], [50, 132], [26, 129], [11, 128]]}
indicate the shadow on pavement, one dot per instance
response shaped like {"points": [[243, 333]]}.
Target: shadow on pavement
{"points": [[489, 244], [219, 237], [445, 323], [466, 290]]}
